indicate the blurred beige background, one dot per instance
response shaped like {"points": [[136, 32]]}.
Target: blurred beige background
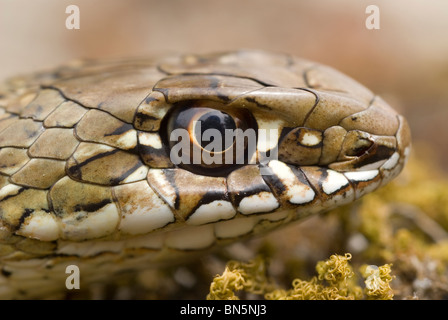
{"points": [[406, 61]]}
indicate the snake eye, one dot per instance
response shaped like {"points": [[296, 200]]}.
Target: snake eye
{"points": [[210, 139], [214, 120]]}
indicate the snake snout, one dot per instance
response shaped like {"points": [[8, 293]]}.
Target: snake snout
{"points": [[361, 151]]}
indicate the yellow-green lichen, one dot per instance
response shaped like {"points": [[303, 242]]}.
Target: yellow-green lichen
{"points": [[335, 280], [377, 281], [237, 276]]}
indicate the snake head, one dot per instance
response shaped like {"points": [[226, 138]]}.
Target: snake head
{"points": [[123, 164], [92, 155], [322, 139]]}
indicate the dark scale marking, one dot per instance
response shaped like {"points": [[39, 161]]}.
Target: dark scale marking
{"points": [[170, 176], [374, 154], [301, 175], [141, 118], [324, 177], [26, 213], [125, 175], [144, 149], [144, 117], [285, 131], [73, 171], [249, 191], [147, 153], [207, 198], [223, 97], [50, 203], [214, 84], [124, 128], [98, 156], [304, 180], [253, 100], [271, 179], [263, 156], [13, 195], [92, 207]]}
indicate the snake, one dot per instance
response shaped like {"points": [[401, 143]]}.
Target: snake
{"points": [[114, 165]]}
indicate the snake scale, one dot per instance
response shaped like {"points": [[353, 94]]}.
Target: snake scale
{"points": [[87, 175]]}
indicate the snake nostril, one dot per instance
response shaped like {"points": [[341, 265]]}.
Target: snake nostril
{"points": [[360, 148]]}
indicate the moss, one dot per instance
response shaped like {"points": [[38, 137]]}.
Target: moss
{"points": [[377, 282], [335, 280], [237, 276]]}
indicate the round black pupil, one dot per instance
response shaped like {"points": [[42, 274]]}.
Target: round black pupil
{"points": [[221, 122]]}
